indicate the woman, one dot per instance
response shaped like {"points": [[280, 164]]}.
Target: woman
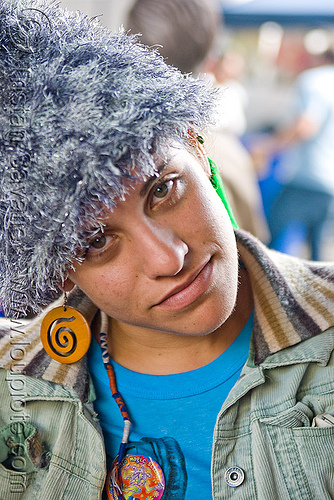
{"points": [[107, 195]]}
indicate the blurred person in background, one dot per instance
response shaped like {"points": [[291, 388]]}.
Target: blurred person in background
{"points": [[185, 32], [237, 167], [302, 212], [228, 72]]}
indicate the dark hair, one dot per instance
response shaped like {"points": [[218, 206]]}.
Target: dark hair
{"points": [[329, 54], [185, 29]]}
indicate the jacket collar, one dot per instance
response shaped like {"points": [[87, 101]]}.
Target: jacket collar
{"points": [[293, 298], [293, 301]]}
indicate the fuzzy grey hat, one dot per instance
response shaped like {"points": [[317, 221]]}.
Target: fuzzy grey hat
{"points": [[80, 107]]}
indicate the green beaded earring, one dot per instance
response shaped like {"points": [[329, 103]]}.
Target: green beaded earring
{"points": [[217, 183]]}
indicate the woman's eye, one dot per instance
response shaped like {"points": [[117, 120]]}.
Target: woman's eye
{"points": [[163, 189], [101, 245], [98, 242]]}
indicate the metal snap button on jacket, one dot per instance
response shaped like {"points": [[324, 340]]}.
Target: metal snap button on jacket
{"points": [[234, 476]]}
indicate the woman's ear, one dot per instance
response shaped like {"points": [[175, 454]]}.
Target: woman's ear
{"points": [[197, 143], [67, 285]]}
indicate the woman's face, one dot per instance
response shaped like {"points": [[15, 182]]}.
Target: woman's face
{"points": [[167, 259]]}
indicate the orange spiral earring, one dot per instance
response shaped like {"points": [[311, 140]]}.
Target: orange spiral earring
{"points": [[65, 334]]}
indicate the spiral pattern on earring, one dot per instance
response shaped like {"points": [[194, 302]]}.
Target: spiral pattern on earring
{"points": [[65, 334], [62, 339]]}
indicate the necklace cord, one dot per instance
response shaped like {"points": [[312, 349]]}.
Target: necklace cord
{"points": [[113, 386]]}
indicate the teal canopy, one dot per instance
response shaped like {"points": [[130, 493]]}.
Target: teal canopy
{"points": [[312, 13]]}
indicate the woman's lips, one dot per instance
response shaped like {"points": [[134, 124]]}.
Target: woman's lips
{"points": [[187, 293]]}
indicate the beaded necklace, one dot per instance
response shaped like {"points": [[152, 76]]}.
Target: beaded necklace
{"points": [[130, 476]]}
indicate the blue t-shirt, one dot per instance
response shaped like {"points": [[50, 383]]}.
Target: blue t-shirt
{"points": [[176, 412]]}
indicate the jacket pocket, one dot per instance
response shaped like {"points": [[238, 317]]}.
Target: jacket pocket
{"points": [[301, 454], [22, 458], [21, 448], [299, 415], [15, 485]]}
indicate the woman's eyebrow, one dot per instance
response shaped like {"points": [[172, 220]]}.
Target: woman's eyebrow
{"points": [[150, 180]]}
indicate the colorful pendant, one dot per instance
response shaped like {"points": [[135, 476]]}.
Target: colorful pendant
{"points": [[137, 476]]}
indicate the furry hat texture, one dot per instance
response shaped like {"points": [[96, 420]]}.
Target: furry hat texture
{"points": [[80, 107]]}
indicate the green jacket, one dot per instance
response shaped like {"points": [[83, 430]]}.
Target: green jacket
{"points": [[265, 446]]}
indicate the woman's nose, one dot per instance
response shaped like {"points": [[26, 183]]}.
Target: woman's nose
{"points": [[160, 250]]}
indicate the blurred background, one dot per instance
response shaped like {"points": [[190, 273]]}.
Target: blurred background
{"points": [[259, 50], [277, 38]]}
